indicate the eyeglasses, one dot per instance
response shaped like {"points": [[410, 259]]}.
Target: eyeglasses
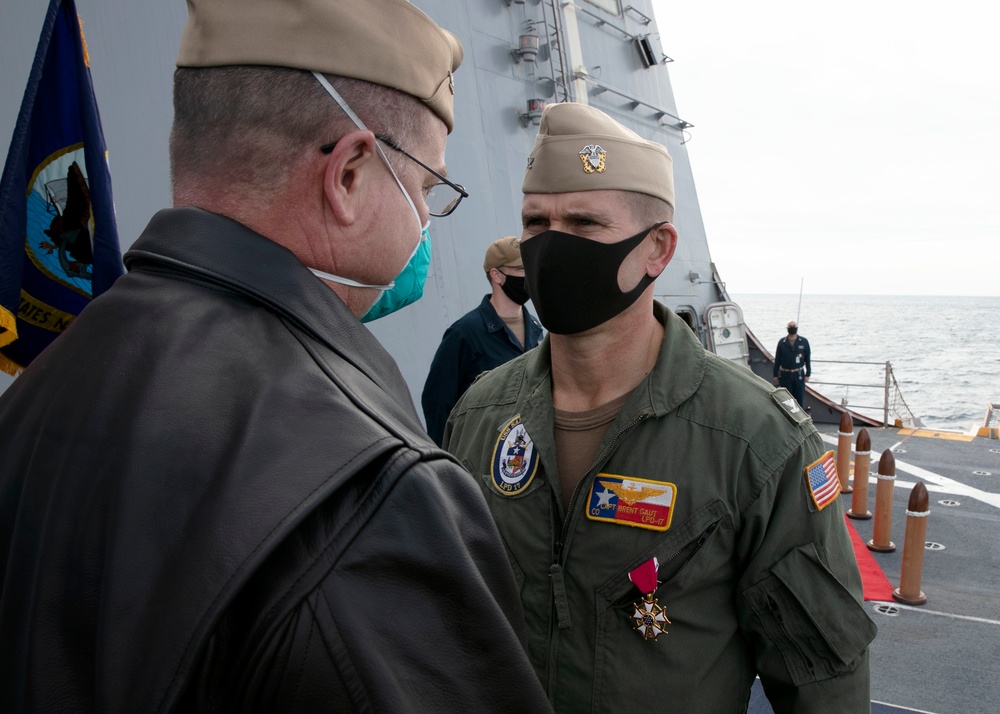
{"points": [[442, 198]]}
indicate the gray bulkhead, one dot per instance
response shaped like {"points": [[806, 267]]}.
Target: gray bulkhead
{"points": [[589, 50]]}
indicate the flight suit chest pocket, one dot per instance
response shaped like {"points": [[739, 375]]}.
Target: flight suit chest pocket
{"points": [[810, 617], [694, 560], [674, 552]]}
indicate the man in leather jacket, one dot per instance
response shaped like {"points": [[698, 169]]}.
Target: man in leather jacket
{"points": [[215, 493]]}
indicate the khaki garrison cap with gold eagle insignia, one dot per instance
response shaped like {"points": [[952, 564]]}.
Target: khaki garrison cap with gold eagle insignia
{"points": [[387, 42], [613, 157]]}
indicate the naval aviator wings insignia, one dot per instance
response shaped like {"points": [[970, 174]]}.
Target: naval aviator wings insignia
{"points": [[631, 501]]}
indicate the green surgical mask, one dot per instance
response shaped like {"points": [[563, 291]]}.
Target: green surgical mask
{"points": [[413, 278], [408, 287]]}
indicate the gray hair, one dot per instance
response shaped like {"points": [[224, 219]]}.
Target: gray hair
{"points": [[647, 209], [244, 125]]}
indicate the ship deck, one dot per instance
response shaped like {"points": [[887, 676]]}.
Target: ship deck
{"points": [[942, 656]]}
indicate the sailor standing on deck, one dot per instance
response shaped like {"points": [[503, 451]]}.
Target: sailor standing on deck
{"points": [[497, 331], [215, 492], [792, 365], [669, 515]]}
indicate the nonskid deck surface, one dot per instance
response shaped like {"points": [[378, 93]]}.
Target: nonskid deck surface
{"points": [[940, 657], [759, 705]]}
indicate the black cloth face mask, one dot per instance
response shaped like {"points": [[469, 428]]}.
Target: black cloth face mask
{"points": [[573, 281], [513, 287], [793, 330]]}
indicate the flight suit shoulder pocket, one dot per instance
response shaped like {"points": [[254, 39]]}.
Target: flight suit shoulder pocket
{"points": [[812, 619]]}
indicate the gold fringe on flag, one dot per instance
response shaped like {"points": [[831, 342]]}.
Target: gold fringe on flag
{"points": [[83, 40], [10, 367], [8, 321]]}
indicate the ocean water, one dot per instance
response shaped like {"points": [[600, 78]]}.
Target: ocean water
{"points": [[944, 351]]}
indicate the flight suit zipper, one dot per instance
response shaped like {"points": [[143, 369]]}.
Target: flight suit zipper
{"points": [[576, 489], [560, 600], [691, 549]]}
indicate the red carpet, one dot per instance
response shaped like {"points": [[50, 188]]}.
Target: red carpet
{"points": [[876, 584]]}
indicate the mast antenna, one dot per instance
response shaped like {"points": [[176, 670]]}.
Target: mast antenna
{"points": [[799, 311]]}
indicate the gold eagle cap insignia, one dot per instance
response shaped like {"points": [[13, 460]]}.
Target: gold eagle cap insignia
{"points": [[594, 158], [631, 495]]}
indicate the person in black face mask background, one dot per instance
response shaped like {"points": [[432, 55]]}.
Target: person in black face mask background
{"points": [[643, 486], [497, 331], [793, 363]]}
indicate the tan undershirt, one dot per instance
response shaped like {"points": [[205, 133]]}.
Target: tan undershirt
{"points": [[578, 435], [516, 325]]}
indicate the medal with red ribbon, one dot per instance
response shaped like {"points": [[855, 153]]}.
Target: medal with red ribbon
{"points": [[648, 618]]}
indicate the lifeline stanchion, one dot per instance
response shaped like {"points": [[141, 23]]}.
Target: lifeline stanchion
{"points": [[844, 452], [862, 463], [880, 542], [913, 548]]}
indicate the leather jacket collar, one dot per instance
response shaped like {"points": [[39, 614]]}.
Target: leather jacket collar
{"points": [[219, 250]]}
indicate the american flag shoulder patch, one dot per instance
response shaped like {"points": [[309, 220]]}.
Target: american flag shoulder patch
{"points": [[824, 485]]}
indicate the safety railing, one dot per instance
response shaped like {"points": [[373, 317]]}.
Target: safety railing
{"points": [[885, 390]]}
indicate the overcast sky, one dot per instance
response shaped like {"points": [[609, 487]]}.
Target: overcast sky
{"points": [[855, 145]]}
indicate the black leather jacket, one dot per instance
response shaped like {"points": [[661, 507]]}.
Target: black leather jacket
{"points": [[215, 495]]}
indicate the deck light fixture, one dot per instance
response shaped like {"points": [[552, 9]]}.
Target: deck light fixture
{"points": [[528, 45], [533, 115]]}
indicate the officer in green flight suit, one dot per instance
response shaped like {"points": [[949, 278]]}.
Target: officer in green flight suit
{"points": [[667, 514]]}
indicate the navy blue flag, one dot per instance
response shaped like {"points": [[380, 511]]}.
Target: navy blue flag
{"points": [[58, 238]]}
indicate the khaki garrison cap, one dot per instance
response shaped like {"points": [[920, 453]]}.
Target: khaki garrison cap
{"points": [[580, 148], [504, 252], [387, 42]]}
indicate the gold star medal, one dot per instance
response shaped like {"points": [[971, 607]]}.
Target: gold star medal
{"points": [[648, 617]]}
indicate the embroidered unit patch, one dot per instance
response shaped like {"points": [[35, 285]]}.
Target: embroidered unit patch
{"points": [[515, 459], [824, 486], [632, 502]]}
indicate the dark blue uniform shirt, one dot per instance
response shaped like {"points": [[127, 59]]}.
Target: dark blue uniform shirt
{"points": [[792, 357], [792, 365], [476, 342]]}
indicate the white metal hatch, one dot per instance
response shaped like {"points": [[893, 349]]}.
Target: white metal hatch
{"points": [[727, 333]]}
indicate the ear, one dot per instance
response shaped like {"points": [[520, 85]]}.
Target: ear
{"points": [[665, 242], [350, 169]]}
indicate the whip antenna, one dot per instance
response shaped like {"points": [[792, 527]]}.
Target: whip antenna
{"points": [[799, 311]]}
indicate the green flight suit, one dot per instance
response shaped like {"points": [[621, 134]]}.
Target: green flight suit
{"points": [[754, 578]]}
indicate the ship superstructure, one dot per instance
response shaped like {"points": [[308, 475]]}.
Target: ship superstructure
{"points": [[518, 57], [520, 54]]}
